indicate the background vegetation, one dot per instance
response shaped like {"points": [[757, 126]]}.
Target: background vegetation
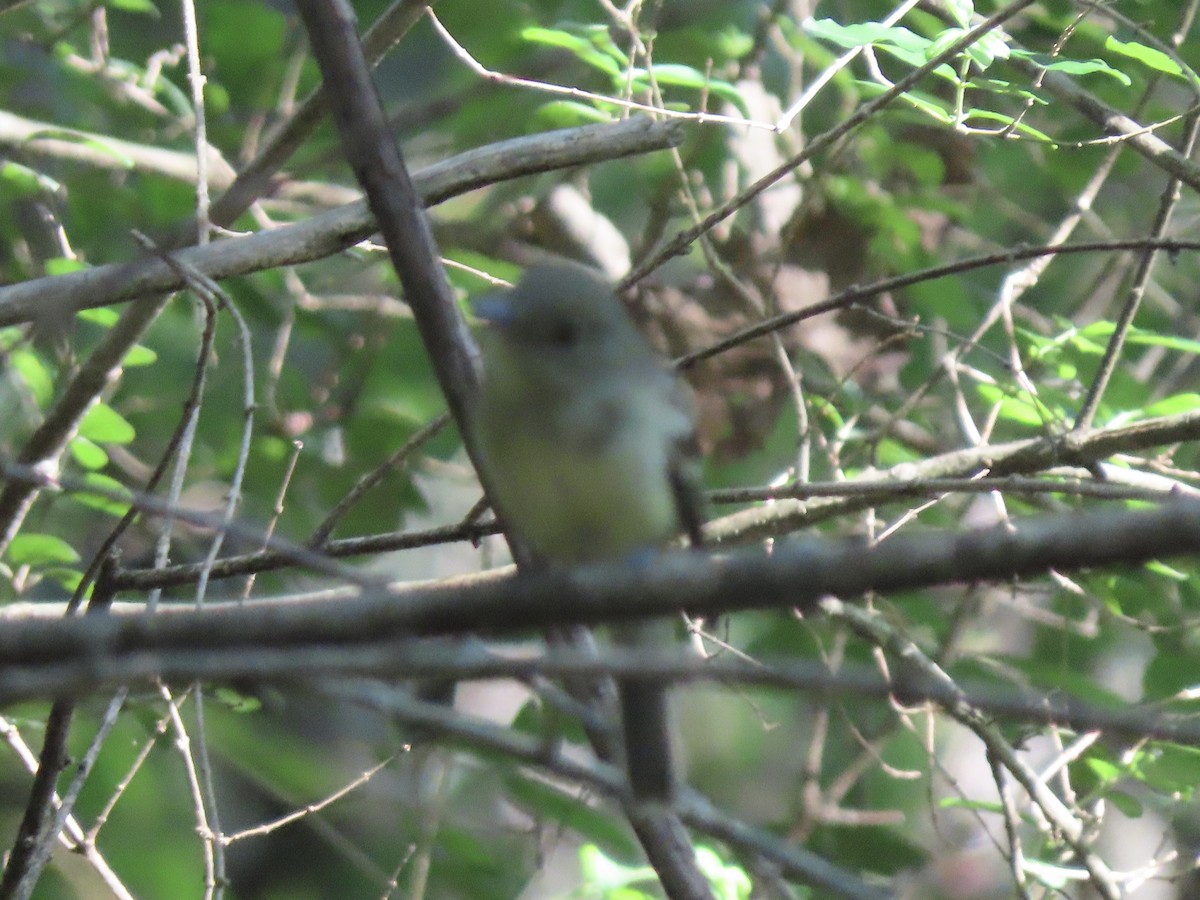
{"points": [[980, 290]]}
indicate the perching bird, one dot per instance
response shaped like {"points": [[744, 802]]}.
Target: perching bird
{"points": [[588, 439]]}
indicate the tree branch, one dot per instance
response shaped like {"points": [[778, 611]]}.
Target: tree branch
{"points": [[333, 231]]}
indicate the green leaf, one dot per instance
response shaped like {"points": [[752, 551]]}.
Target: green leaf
{"points": [[729, 881], [1005, 89], [1173, 405], [105, 425], [1103, 330], [961, 10], [1019, 126], [107, 499], [237, 701], [40, 549], [62, 265], [864, 34], [927, 104], [1164, 571], [673, 75], [69, 579], [733, 43], [1170, 769], [104, 316], [32, 369], [1021, 410], [1104, 768], [1147, 56], [139, 7], [1075, 66], [92, 143], [983, 52], [139, 355], [568, 114], [87, 454], [23, 181], [583, 48], [605, 877]]}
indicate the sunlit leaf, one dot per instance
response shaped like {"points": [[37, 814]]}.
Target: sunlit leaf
{"points": [[142, 7], [583, 48], [22, 181], [32, 369], [88, 454], [569, 114], [107, 496], [685, 76], [104, 316], [1147, 56], [105, 425], [1075, 66], [40, 549], [139, 355]]}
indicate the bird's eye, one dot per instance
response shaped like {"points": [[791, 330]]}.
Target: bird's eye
{"points": [[564, 334]]}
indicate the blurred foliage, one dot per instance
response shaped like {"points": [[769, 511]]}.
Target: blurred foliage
{"points": [[975, 159]]}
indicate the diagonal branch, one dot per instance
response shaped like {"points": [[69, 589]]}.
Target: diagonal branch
{"points": [[332, 232]]}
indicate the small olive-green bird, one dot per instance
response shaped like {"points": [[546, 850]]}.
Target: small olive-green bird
{"points": [[588, 439]]}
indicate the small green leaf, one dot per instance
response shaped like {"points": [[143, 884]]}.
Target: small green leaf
{"points": [[961, 10], [40, 550], [104, 316], [141, 7], [1104, 769], [1173, 405], [69, 579], [62, 265], [1075, 66], [34, 373], [109, 490], [1170, 769], [928, 105], [26, 182], [603, 876], [568, 114], [84, 140], [105, 425], [1013, 409], [1019, 127], [87, 454], [583, 48], [990, 806], [236, 701], [674, 75], [1165, 571], [1006, 89], [1147, 56], [139, 355], [865, 34], [729, 881], [1103, 330], [733, 44]]}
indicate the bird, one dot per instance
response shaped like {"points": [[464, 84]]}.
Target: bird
{"points": [[588, 437]]}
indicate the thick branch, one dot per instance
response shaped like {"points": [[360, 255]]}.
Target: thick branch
{"points": [[333, 231], [797, 575]]}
